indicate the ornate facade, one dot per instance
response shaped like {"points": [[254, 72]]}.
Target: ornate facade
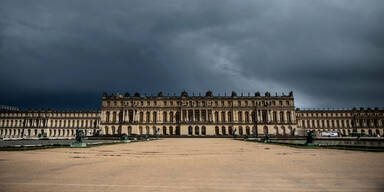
{"points": [[364, 120], [198, 115], [47, 123], [186, 115]]}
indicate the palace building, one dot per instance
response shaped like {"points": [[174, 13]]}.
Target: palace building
{"points": [[186, 115]]}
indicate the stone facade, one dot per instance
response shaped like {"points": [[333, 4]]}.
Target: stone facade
{"points": [[346, 121], [51, 124], [198, 115], [186, 115]]}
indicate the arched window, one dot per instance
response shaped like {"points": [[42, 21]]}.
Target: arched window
{"points": [[253, 115], [113, 130], [203, 131], [141, 116], [114, 117], [223, 131], [217, 132], [230, 130], [177, 116], [240, 130], [119, 130], [240, 116], [222, 116], [148, 117], [147, 130], [164, 130], [171, 116], [155, 116], [197, 130], [282, 117], [216, 116], [246, 116], [190, 115], [171, 130], [106, 130], [130, 115], [229, 116], [274, 116], [289, 117], [129, 130], [177, 130], [165, 118]]}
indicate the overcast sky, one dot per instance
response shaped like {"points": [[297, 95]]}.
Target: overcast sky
{"points": [[64, 54]]}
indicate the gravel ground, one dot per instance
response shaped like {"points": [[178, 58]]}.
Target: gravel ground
{"points": [[192, 164]]}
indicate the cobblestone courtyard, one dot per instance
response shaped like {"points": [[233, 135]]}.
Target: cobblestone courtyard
{"points": [[198, 164]]}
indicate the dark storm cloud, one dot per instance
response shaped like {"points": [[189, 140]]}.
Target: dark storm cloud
{"points": [[63, 54]]}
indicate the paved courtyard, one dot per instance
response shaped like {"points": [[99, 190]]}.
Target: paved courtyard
{"points": [[199, 164]]}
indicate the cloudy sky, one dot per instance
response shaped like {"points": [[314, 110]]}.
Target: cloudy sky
{"points": [[64, 54]]}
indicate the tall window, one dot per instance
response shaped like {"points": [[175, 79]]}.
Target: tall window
{"points": [[155, 116], [289, 117], [282, 117], [107, 117], [216, 116], [240, 116], [171, 116], [222, 116], [148, 116], [274, 116], [165, 116], [141, 116], [114, 117], [264, 115]]}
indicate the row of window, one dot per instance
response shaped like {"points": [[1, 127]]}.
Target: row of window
{"points": [[48, 115], [197, 115], [44, 123], [197, 103], [342, 123], [36, 132], [344, 114]]}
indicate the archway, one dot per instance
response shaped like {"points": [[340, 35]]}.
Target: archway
{"points": [[106, 130], [217, 130], [119, 130], [113, 130], [197, 130], [240, 130], [230, 130], [170, 130], [203, 130], [223, 130], [190, 131], [129, 130], [164, 130]]}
